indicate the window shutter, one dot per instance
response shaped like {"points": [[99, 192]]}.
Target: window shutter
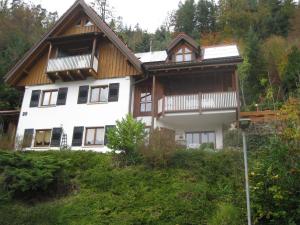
{"points": [[77, 136], [107, 128], [35, 97], [27, 138], [62, 96], [113, 94], [56, 136], [83, 94]]}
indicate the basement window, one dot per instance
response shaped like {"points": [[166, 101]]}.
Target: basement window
{"points": [[195, 139], [49, 97], [42, 138]]}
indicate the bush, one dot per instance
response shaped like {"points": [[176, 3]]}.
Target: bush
{"points": [[226, 214], [160, 149], [275, 185], [126, 137], [29, 177]]}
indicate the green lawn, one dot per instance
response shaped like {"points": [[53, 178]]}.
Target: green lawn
{"points": [[197, 188]]}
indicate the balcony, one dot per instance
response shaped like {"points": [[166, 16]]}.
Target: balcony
{"points": [[76, 67], [200, 102]]}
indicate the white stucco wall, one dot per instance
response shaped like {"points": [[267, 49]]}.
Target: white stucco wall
{"points": [[72, 114]]}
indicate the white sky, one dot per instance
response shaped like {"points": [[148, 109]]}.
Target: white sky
{"points": [[150, 14]]}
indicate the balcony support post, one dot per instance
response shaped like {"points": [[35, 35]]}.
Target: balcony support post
{"points": [[48, 57], [163, 105], [153, 101], [200, 102], [93, 51], [237, 90]]}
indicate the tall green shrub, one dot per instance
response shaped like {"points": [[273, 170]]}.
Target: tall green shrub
{"points": [[126, 137]]}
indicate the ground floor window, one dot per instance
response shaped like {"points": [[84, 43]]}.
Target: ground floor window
{"points": [[195, 139], [94, 136], [42, 138]]}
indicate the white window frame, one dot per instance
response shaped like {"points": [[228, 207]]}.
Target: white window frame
{"points": [[50, 98]]}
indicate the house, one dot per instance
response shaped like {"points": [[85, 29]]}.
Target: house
{"points": [[80, 78]]}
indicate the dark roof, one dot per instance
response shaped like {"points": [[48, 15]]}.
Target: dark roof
{"points": [[182, 37], [230, 61], [108, 32]]}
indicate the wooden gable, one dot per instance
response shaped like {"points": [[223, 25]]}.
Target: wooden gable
{"points": [[111, 64], [80, 25], [80, 21]]}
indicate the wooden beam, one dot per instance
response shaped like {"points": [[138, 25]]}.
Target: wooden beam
{"points": [[48, 57], [68, 74], [153, 101], [93, 52], [80, 74], [237, 97]]}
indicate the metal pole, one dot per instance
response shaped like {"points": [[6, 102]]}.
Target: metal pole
{"points": [[246, 177]]}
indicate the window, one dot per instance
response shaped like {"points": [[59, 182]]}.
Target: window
{"points": [[42, 138], [183, 55], [195, 139], [145, 102], [99, 94], [94, 136], [49, 97], [87, 22], [208, 137]]}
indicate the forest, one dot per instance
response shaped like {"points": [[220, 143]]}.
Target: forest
{"points": [[267, 33]]}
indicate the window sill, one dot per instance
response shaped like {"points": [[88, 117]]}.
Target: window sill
{"points": [[96, 103], [47, 106], [92, 146]]}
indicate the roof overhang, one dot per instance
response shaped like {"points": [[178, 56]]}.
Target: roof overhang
{"points": [[161, 67]]}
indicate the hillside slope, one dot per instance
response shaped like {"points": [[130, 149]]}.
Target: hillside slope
{"points": [[197, 188]]}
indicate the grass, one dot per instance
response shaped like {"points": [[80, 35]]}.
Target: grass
{"points": [[196, 188]]}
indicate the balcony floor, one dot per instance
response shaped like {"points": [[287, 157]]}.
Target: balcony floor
{"points": [[195, 120]]}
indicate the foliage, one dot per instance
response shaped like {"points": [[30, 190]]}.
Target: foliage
{"points": [[23, 25], [226, 214], [28, 177], [289, 117], [185, 17], [160, 148], [188, 192], [126, 137], [291, 73], [275, 183]]}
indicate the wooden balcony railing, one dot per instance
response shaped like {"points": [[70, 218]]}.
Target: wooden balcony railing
{"points": [[197, 102], [71, 63]]}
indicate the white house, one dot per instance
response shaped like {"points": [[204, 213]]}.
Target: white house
{"points": [[80, 78]]}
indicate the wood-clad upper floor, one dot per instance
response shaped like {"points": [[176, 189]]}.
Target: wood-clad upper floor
{"points": [[57, 56]]}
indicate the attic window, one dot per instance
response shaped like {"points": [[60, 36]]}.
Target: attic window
{"points": [[87, 23], [183, 55]]}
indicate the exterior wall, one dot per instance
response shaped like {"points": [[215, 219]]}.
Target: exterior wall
{"points": [[180, 132], [111, 64], [72, 114], [198, 126]]}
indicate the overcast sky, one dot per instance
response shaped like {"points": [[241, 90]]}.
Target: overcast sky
{"points": [[150, 14]]}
